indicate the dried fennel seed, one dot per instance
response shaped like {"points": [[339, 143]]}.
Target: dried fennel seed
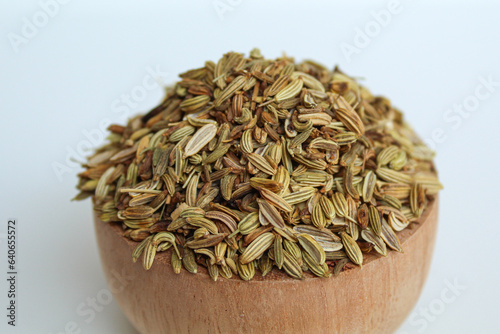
{"points": [[250, 164]]}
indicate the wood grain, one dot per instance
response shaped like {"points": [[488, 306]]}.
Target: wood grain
{"points": [[374, 299]]}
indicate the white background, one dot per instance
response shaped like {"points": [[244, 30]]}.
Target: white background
{"points": [[71, 73]]}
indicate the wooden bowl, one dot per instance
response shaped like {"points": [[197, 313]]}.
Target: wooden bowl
{"points": [[374, 299]]}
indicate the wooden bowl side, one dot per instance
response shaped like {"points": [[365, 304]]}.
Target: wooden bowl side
{"points": [[374, 299]]}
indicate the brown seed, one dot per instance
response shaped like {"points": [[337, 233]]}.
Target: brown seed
{"points": [[387, 155], [176, 263], [189, 261], [192, 189], [316, 118], [348, 116], [138, 212], [348, 183], [265, 265], [194, 104], [140, 248], [278, 252], [257, 247], [149, 255], [261, 163], [339, 266], [208, 253], [203, 222], [375, 219], [340, 204], [390, 238], [312, 247], [290, 91], [309, 81], [417, 199], [275, 200], [390, 175], [206, 242], [225, 271], [249, 223], [201, 138], [213, 271], [217, 153], [300, 196], [269, 215], [363, 216], [352, 249], [139, 234], [246, 271], [229, 91], [278, 85], [291, 266], [397, 222], [261, 183], [223, 217], [375, 240], [369, 183], [226, 186], [314, 267], [318, 217]]}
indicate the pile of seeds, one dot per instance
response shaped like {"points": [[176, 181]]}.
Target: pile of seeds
{"points": [[249, 164]]}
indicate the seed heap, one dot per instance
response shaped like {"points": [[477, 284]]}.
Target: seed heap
{"points": [[251, 163]]}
